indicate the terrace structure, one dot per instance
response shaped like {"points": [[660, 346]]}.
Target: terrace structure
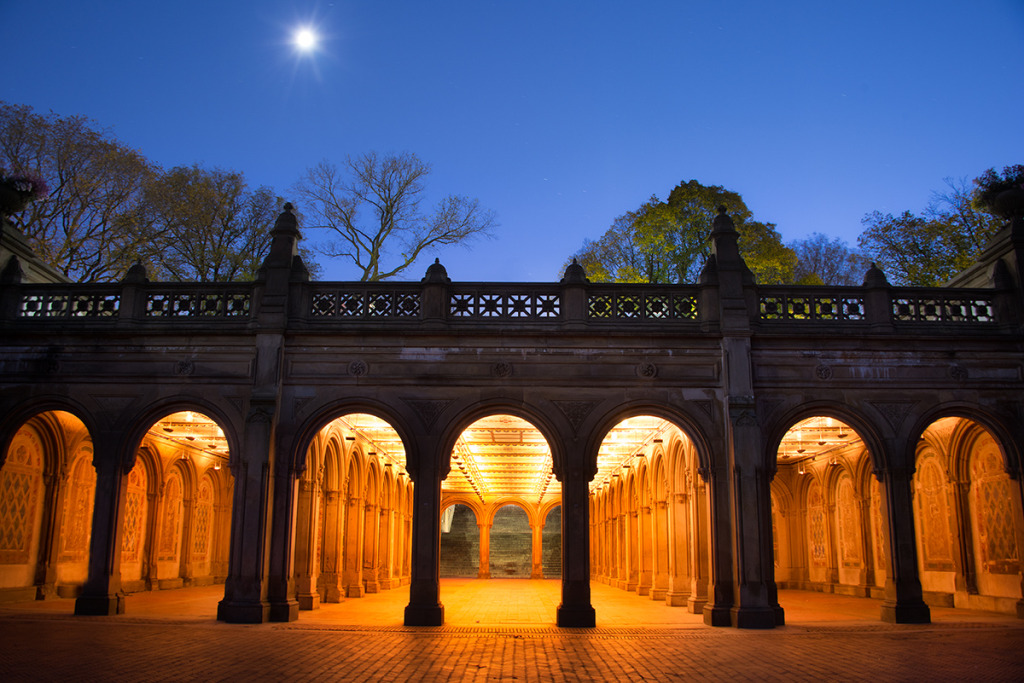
{"points": [[309, 442]]}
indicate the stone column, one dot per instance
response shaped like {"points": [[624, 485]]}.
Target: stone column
{"points": [[632, 550], [679, 550], [371, 538], [699, 549], [353, 573], [281, 584], [575, 609], [101, 593], [334, 522], [49, 542], [644, 532], [306, 541], [660, 581], [966, 579], [904, 602], [484, 570], [245, 589], [385, 548], [425, 608], [720, 581], [867, 572], [537, 550]]}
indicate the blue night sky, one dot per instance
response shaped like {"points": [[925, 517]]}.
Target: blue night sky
{"points": [[559, 116]]}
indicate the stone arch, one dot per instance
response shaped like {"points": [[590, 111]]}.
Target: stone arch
{"points": [[309, 428], [18, 415], [687, 423], [1011, 448], [864, 427]]}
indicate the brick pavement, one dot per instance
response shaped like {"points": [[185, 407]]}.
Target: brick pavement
{"points": [[172, 636]]}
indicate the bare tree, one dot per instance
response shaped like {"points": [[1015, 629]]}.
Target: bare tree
{"points": [[822, 260], [373, 207]]}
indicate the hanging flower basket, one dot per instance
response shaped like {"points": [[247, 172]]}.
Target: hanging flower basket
{"points": [[16, 191]]}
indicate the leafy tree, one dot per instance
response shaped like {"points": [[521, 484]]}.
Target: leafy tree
{"points": [[82, 227], [822, 260], [373, 206], [668, 242], [209, 225], [927, 249]]}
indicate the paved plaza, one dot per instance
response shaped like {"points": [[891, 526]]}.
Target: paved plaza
{"points": [[500, 630]]}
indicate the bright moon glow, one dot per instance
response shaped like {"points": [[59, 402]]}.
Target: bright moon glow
{"points": [[305, 39]]}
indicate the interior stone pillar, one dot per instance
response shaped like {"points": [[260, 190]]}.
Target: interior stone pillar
{"points": [[101, 593], [632, 550], [484, 570], [644, 532], [330, 578], [678, 550], [371, 538], [575, 609], [353, 573], [659, 523], [537, 550], [904, 602], [385, 547]]}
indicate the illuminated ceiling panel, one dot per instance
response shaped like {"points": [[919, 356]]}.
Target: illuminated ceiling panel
{"points": [[500, 456], [816, 438], [378, 435], [189, 430], [627, 440]]}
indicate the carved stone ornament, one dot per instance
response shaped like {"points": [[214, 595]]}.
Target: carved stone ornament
{"points": [[358, 368], [184, 368], [427, 410], [502, 369], [958, 372], [647, 370], [823, 372], [260, 414], [576, 411], [894, 412]]}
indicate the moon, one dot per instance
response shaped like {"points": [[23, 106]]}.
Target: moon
{"points": [[305, 39]]}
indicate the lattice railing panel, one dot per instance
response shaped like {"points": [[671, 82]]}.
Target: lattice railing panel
{"points": [[364, 303], [505, 304], [811, 307], [65, 305], [198, 303], [642, 305], [951, 309]]}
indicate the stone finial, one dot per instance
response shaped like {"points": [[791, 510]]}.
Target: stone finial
{"points": [[722, 222], [436, 274], [875, 277], [575, 274], [286, 222], [136, 275]]}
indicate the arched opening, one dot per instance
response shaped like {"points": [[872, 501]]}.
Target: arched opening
{"points": [[649, 514], [353, 512], [47, 492], [460, 543], [177, 515], [827, 521], [967, 513]]}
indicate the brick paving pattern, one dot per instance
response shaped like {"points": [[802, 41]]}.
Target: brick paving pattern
{"points": [[171, 636]]}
